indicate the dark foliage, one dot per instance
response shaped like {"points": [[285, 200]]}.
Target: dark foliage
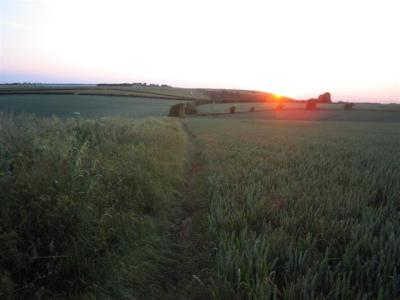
{"points": [[190, 109], [141, 84], [311, 105], [181, 110], [232, 96], [177, 110], [325, 98], [348, 106]]}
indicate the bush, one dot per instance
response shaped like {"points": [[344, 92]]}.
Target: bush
{"points": [[177, 110], [190, 108], [232, 109], [85, 206], [311, 105], [180, 110], [348, 106]]}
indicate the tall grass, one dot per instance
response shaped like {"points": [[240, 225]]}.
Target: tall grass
{"points": [[87, 205], [303, 210]]}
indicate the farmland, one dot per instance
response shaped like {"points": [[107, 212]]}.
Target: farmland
{"points": [[318, 115], [85, 105], [272, 204], [199, 150], [245, 107], [88, 208], [302, 210], [106, 90]]}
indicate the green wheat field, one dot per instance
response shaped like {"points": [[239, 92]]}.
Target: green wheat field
{"points": [[106, 197]]}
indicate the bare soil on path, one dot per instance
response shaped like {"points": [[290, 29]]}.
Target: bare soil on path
{"points": [[193, 255]]}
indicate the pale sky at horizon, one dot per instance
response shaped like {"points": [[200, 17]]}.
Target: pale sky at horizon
{"points": [[295, 48]]}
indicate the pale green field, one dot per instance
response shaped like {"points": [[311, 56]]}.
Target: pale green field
{"points": [[302, 210], [170, 91], [136, 91], [85, 105]]}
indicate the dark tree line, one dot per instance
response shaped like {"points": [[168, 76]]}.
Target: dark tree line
{"points": [[228, 96], [141, 84]]}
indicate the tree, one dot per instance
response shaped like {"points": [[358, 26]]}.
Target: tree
{"points": [[325, 98], [180, 110], [232, 110], [348, 106], [177, 110], [190, 108], [311, 105]]}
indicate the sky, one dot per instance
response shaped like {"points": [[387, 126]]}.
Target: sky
{"points": [[295, 48]]}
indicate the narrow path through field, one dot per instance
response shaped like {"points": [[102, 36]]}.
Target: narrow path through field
{"points": [[193, 255]]}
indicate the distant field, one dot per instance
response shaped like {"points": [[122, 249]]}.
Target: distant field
{"points": [[318, 115], [297, 111], [372, 106], [243, 107], [118, 90], [302, 210], [85, 105], [170, 91]]}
